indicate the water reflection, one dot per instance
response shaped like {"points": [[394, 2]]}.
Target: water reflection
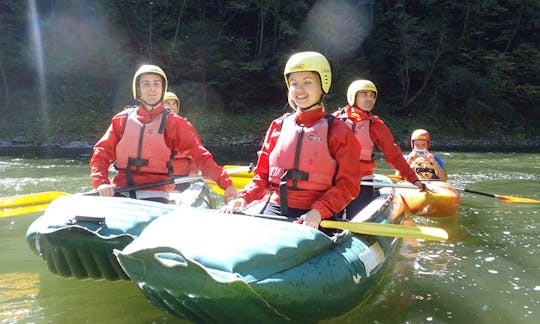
{"points": [[488, 272], [18, 292]]}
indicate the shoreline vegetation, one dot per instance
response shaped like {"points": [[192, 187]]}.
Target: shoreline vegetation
{"points": [[245, 133], [462, 70]]}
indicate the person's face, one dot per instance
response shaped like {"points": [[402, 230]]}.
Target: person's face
{"points": [[421, 145], [150, 88], [365, 100], [171, 104], [304, 89]]}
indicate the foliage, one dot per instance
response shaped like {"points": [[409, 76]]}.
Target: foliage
{"points": [[467, 65]]}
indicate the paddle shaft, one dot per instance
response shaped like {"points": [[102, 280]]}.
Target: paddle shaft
{"points": [[477, 192], [178, 180], [370, 228], [502, 197], [390, 185], [151, 184]]}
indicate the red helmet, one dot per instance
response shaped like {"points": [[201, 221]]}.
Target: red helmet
{"points": [[420, 134]]}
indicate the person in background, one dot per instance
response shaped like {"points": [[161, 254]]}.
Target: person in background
{"points": [[369, 130], [171, 101], [142, 139], [309, 159], [426, 165], [182, 164]]}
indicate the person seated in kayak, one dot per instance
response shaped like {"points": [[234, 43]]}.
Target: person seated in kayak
{"points": [[370, 129], [309, 159], [182, 164], [426, 165], [142, 140]]}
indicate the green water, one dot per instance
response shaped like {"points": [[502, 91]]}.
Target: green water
{"points": [[488, 274]]}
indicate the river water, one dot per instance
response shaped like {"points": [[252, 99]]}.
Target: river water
{"points": [[488, 273]]}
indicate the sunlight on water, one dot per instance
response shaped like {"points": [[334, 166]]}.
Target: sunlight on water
{"points": [[486, 273], [19, 291], [25, 176]]}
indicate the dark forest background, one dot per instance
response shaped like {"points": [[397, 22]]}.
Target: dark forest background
{"points": [[464, 69]]}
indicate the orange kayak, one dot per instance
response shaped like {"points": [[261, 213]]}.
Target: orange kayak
{"points": [[441, 199]]}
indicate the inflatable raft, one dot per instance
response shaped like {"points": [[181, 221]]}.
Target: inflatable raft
{"points": [[77, 234], [209, 267]]}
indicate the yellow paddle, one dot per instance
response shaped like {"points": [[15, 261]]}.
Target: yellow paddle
{"points": [[25, 204], [370, 228], [240, 176], [30, 199], [396, 230], [31, 203], [500, 197]]}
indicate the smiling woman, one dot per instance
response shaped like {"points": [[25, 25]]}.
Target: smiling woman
{"points": [[309, 160]]}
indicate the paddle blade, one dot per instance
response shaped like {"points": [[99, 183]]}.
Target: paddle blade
{"points": [[240, 176], [30, 199], [19, 211], [395, 230], [517, 199]]}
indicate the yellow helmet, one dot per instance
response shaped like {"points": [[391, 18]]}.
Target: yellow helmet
{"points": [[420, 134], [359, 85], [144, 70], [171, 96], [310, 61]]}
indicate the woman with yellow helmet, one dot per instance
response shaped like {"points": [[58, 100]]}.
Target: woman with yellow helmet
{"points": [[142, 139], [309, 159], [369, 130], [426, 165]]}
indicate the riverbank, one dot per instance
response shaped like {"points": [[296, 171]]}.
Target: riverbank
{"points": [[15, 147], [244, 132]]}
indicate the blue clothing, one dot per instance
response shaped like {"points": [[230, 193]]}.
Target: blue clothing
{"points": [[439, 160]]}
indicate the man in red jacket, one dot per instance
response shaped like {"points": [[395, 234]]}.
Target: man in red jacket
{"points": [[142, 140], [369, 130]]}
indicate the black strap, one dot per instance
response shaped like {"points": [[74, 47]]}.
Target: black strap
{"points": [[293, 174], [284, 198], [164, 115]]}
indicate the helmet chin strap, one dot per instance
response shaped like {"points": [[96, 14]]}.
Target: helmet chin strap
{"points": [[152, 106], [149, 104], [315, 104]]}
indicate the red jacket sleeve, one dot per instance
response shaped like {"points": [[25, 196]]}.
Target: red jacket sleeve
{"points": [[180, 135], [105, 151], [381, 134]]}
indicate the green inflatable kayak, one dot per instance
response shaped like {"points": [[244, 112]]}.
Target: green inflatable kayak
{"points": [[216, 268], [77, 234]]}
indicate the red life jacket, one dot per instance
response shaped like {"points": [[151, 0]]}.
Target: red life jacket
{"points": [[142, 148], [301, 156], [361, 132]]}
